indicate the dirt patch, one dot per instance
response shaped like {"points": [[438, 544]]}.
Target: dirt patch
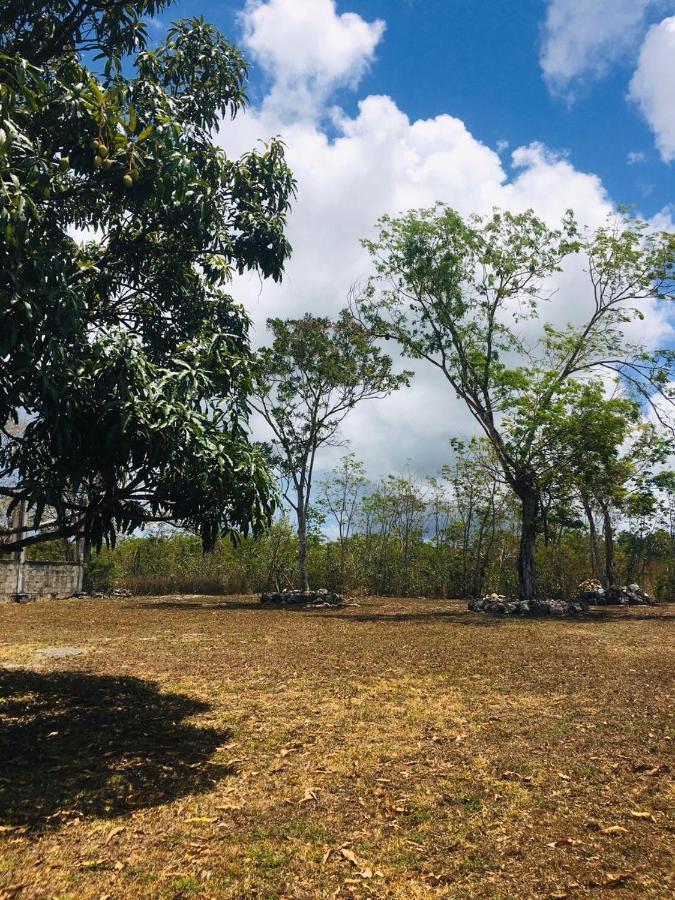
{"points": [[406, 748]]}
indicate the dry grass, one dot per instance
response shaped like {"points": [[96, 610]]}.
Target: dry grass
{"points": [[406, 748]]}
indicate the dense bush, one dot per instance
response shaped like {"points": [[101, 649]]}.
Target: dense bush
{"points": [[374, 564]]}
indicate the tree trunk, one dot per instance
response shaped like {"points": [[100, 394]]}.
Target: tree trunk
{"points": [[527, 570], [611, 578], [302, 547], [343, 556], [593, 535]]}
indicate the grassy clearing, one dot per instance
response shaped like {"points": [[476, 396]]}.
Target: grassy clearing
{"points": [[203, 747]]}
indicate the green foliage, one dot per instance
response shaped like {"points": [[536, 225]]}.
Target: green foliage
{"points": [[455, 292], [306, 382], [312, 375], [121, 223], [382, 556], [101, 572]]}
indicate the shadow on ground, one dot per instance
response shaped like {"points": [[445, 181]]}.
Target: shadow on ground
{"points": [[453, 615], [478, 619], [206, 606], [78, 744]]}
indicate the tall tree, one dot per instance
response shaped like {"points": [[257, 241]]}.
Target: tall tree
{"points": [[453, 292], [306, 382], [591, 435], [341, 490], [120, 224]]}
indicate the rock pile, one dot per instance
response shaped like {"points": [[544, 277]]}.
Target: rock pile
{"points": [[593, 592], [498, 605], [111, 592], [311, 599]]}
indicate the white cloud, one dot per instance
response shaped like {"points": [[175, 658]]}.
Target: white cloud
{"points": [[635, 157], [583, 38], [308, 49], [653, 85], [376, 162]]}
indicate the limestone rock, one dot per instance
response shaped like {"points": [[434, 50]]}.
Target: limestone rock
{"points": [[311, 599], [497, 604], [593, 592]]}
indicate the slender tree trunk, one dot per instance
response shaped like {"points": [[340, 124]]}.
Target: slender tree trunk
{"points": [[303, 581], [302, 553], [611, 577], [343, 555], [593, 535], [527, 568], [476, 574]]}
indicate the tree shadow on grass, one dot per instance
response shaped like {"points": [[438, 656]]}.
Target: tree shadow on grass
{"points": [[616, 614], [453, 616], [450, 616], [602, 615], [78, 744], [191, 605]]}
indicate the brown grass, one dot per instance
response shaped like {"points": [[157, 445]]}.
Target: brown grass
{"points": [[404, 748]]}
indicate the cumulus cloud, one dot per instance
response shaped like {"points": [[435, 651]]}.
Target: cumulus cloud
{"points": [[653, 85], [380, 161], [583, 38], [308, 49]]}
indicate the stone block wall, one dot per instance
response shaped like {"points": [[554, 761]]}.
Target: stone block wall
{"points": [[40, 579]]}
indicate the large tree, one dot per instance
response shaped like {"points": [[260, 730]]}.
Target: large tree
{"points": [[455, 292], [315, 371], [592, 466], [121, 223]]}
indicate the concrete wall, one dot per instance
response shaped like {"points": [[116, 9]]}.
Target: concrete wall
{"points": [[40, 579]]}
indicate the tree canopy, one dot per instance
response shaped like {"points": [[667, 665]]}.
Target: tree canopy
{"points": [[121, 223], [315, 371], [456, 292]]}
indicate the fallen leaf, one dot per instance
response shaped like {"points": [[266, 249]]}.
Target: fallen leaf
{"points": [[350, 856], [516, 776], [310, 795], [200, 820], [616, 878], [114, 833], [563, 776], [614, 829], [639, 814], [326, 856]]}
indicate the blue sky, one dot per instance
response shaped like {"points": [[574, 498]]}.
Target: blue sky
{"points": [[479, 60]]}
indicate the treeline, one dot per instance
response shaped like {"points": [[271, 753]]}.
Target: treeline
{"points": [[454, 535]]}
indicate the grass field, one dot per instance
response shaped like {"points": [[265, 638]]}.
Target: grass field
{"points": [[204, 747]]}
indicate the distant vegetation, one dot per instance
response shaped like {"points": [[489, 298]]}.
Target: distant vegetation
{"points": [[454, 535]]}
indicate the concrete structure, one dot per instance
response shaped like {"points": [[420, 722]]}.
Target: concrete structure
{"points": [[28, 580], [21, 579]]}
